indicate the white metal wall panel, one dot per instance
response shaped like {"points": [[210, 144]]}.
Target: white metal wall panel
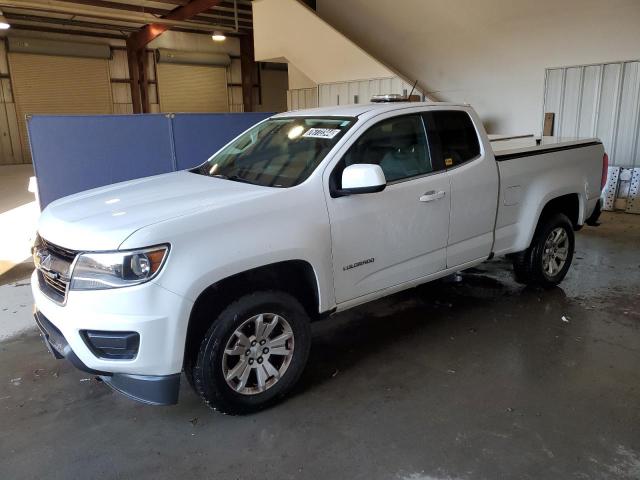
{"points": [[589, 101], [626, 126], [570, 103], [345, 93], [598, 100], [554, 91], [342, 92], [608, 106], [361, 91], [301, 98]]}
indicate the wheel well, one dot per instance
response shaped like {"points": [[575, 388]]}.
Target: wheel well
{"points": [[567, 204], [294, 276]]}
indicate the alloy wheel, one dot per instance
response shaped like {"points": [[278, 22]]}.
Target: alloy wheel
{"points": [[258, 353]]}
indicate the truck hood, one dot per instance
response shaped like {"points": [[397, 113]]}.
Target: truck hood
{"points": [[102, 218]]}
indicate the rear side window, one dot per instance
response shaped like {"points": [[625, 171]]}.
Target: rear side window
{"points": [[452, 137]]}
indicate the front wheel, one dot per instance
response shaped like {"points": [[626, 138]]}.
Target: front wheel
{"points": [[253, 353], [546, 262]]}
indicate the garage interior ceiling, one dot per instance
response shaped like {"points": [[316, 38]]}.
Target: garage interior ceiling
{"points": [[119, 18]]}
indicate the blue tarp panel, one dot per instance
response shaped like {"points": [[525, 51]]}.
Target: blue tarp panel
{"points": [[75, 153], [197, 136]]}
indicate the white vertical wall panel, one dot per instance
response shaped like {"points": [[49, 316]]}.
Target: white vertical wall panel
{"points": [[608, 105], [589, 101], [344, 93], [570, 103], [598, 100], [311, 97], [301, 98], [625, 133], [553, 91]]}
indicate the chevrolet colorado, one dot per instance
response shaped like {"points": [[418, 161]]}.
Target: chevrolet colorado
{"points": [[218, 271]]}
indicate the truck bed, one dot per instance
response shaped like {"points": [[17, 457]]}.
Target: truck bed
{"points": [[532, 174], [508, 147]]}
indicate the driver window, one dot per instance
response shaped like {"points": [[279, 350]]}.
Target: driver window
{"points": [[398, 145]]}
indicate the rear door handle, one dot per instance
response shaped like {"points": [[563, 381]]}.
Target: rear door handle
{"points": [[432, 195]]}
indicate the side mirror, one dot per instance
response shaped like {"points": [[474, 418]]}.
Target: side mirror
{"points": [[362, 178]]}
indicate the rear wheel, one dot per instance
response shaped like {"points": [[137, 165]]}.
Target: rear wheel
{"points": [[547, 260], [253, 353]]}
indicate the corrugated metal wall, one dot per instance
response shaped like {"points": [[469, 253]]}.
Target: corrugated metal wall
{"points": [[87, 91], [344, 93], [360, 91], [192, 88], [301, 98], [601, 101], [119, 69]]}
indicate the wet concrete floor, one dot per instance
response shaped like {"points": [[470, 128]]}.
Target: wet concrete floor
{"points": [[481, 379]]}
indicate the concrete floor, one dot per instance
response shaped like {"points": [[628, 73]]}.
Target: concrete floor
{"points": [[477, 380]]}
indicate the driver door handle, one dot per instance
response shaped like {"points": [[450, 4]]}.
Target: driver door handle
{"points": [[432, 195]]}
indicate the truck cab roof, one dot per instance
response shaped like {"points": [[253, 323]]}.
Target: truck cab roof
{"points": [[363, 109]]}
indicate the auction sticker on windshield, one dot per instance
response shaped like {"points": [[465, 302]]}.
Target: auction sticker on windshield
{"points": [[321, 133]]}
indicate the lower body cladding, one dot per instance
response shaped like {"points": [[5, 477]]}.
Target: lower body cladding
{"points": [[135, 353]]}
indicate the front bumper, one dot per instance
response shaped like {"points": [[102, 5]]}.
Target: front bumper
{"points": [[159, 316], [151, 389]]}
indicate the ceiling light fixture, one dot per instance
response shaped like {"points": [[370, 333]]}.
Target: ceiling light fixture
{"points": [[4, 23], [218, 36]]}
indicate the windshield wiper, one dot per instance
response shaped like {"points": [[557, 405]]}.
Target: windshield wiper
{"points": [[234, 178]]}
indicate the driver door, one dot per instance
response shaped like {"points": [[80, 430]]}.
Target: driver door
{"points": [[384, 239]]}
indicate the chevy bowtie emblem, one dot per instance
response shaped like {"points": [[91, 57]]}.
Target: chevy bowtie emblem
{"points": [[44, 260]]}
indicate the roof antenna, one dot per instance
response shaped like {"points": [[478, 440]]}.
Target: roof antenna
{"points": [[412, 89]]}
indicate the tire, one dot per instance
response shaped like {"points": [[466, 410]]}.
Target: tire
{"points": [[530, 266], [233, 338]]}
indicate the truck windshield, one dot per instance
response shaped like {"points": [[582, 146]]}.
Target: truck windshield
{"points": [[280, 152]]}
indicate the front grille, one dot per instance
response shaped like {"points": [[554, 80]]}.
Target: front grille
{"points": [[54, 268], [58, 285], [64, 253], [56, 290]]}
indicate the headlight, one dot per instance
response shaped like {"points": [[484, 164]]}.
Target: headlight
{"points": [[96, 271]]}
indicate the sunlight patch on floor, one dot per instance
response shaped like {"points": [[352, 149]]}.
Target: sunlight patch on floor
{"points": [[18, 227]]}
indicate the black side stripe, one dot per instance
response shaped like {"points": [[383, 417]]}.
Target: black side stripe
{"points": [[531, 153]]}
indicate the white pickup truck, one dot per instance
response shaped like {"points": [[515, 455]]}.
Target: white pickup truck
{"points": [[219, 271]]}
